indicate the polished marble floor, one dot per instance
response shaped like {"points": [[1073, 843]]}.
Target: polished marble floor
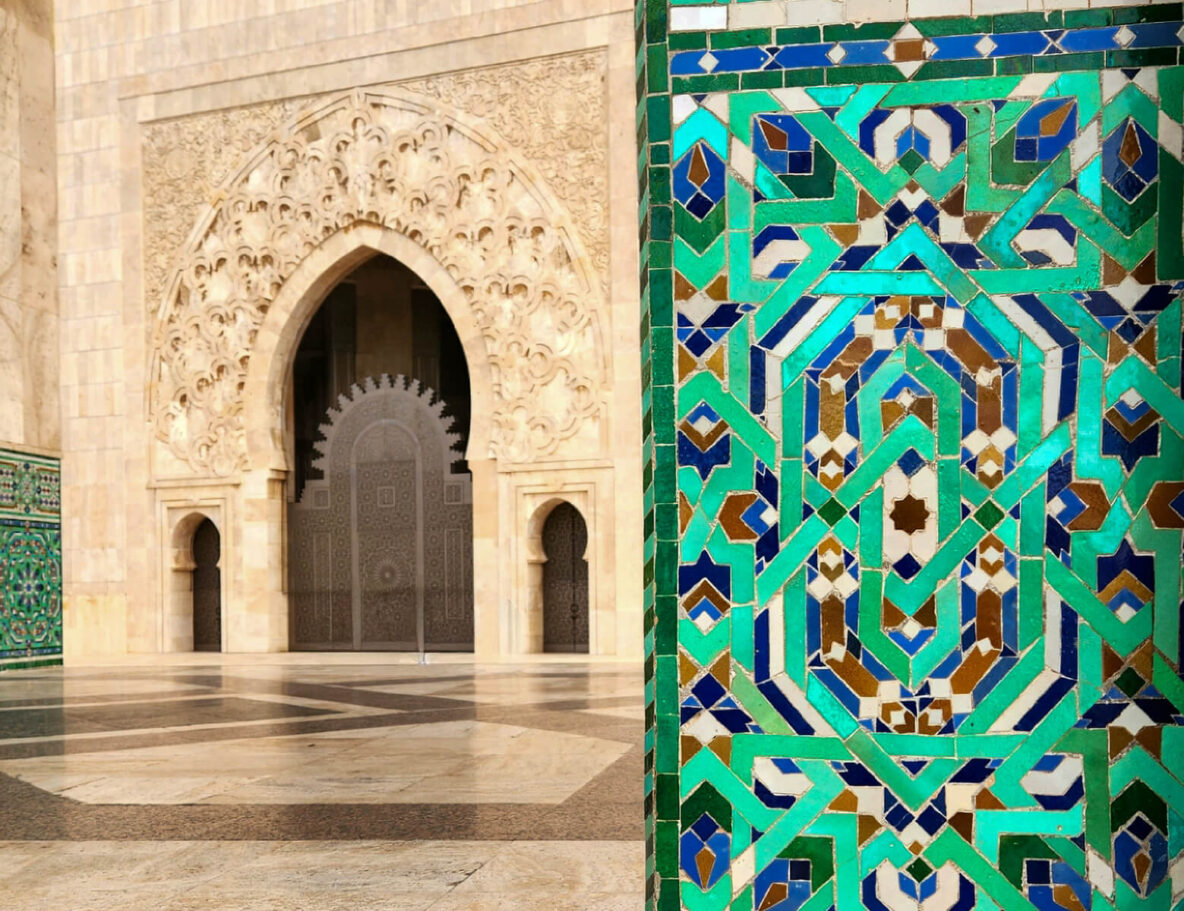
{"points": [[322, 782]]}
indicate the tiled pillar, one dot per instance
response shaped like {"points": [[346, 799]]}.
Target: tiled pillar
{"points": [[914, 430]]}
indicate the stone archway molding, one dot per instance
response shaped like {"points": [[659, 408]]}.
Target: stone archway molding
{"points": [[528, 628], [381, 171], [181, 538], [267, 384]]}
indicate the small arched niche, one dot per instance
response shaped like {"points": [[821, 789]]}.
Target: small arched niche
{"points": [[559, 579], [207, 588], [193, 619]]}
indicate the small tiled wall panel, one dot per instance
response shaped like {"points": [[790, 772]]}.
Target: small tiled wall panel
{"points": [[30, 561], [915, 440]]}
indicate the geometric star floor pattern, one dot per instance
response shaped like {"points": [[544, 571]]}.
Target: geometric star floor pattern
{"points": [[326, 782], [930, 474]]}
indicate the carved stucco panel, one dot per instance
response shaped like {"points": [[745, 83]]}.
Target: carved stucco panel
{"points": [[185, 161], [554, 111], [389, 160]]}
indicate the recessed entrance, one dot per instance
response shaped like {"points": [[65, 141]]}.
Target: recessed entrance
{"points": [[380, 527], [207, 588]]}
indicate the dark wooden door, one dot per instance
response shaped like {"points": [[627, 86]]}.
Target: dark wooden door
{"points": [[565, 581], [382, 544], [207, 588]]}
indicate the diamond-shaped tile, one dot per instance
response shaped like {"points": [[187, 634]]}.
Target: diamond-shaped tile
{"points": [[831, 511], [989, 515]]}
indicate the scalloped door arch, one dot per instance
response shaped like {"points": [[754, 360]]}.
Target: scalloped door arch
{"points": [[396, 165]]}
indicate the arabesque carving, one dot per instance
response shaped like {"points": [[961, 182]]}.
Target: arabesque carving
{"points": [[185, 161], [554, 110], [389, 160]]}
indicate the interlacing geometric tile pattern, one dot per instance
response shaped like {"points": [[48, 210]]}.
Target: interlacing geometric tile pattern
{"points": [[925, 460], [30, 560]]}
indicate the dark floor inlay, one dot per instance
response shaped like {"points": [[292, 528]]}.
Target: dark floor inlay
{"points": [[53, 722]]}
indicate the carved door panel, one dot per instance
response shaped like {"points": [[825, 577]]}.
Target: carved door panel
{"points": [[388, 540], [207, 589], [565, 581], [448, 582], [381, 546]]}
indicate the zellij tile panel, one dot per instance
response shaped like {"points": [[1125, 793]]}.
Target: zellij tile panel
{"points": [[924, 285], [30, 560]]}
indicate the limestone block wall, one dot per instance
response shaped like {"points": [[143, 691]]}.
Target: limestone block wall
{"points": [[912, 328], [28, 229], [30, 539], [158, 105]]}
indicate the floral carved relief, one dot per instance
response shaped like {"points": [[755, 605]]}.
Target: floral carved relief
{"points": [[554, 110], [185, 162], [392, 160]]}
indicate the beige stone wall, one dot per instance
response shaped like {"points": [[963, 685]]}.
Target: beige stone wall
{"points": [[146, 89], [28, 260]]}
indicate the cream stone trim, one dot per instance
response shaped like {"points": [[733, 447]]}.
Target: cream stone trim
{"points": [[47, 451]]}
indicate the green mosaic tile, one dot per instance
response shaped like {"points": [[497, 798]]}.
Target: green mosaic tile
{"points": [[681, 41], [801, 35], [1161, 12], [1088, 18], [741, 37], [30, 561]]}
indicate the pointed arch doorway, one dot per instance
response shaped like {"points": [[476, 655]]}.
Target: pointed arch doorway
{"points": [[380, 523]]}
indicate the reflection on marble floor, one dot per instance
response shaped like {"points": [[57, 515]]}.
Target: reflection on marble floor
{"points": [[285, 782], [446, 762]]}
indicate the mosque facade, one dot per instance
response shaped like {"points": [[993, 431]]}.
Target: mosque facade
{"points": [[823, 355]]}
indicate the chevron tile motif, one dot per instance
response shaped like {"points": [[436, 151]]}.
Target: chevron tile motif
{"points": [[30, 561], [915, 440]]}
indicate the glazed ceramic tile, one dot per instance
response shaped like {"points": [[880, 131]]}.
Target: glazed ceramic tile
{"points": [[917, 509], [30, 560]]}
